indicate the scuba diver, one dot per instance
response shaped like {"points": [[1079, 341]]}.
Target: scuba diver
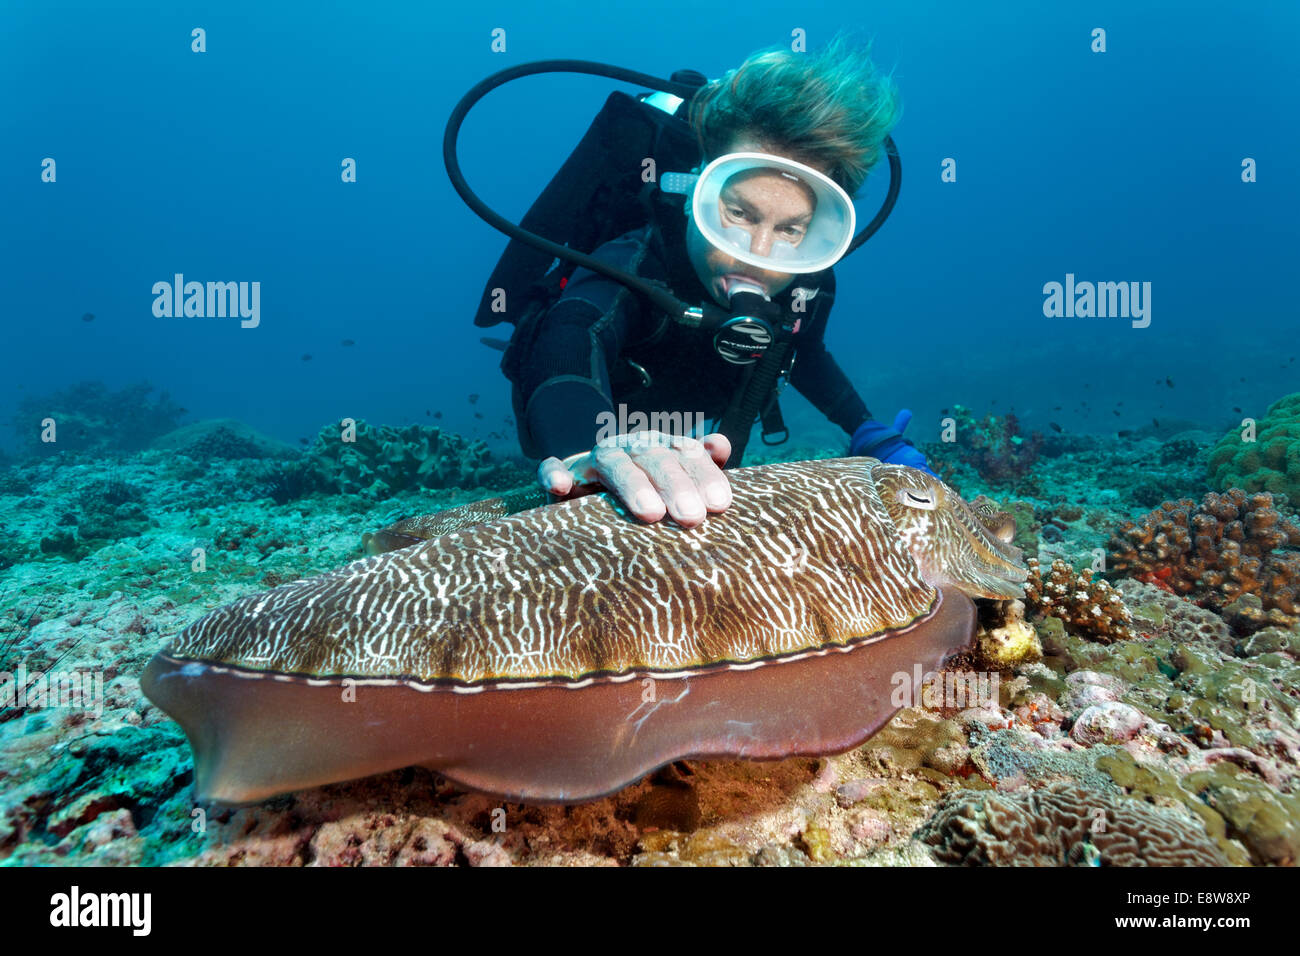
{"points": [[776, 150]]}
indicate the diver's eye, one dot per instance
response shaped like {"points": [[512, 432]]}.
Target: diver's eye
{"points": [[916, 499]]}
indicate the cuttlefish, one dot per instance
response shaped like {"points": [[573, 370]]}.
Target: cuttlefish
{"points": [[563, 652]]}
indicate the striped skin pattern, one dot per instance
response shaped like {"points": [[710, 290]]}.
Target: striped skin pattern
{"points": [[808, 556], [965, 545], [403, 534]]}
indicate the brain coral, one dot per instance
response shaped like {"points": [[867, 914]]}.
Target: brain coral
{"points": [[1063, 825], [1271, 462]]}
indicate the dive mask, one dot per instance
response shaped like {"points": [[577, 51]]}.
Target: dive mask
{"points": [[768, 211]]}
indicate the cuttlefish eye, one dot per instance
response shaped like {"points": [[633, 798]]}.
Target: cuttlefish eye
{"points": [[924, 500]]}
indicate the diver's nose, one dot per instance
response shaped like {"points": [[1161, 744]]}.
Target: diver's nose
{"points": [[760, 241]]}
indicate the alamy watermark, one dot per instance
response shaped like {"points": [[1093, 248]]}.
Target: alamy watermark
{"points": [[38, 690], [668, 425], [951, 689], [208, 300], [1102, 300]]}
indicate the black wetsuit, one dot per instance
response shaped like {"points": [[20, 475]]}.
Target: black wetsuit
{"points": [[572, 364]]}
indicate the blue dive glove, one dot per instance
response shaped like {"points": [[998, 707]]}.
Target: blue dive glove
{"points": [[877, 440]]}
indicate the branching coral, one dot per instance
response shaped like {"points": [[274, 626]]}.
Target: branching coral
{"points": [[1217, 552], [1089, 608], [1063, 825]]}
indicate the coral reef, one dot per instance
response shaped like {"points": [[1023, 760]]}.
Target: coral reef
{"points": [[1085, 606], [383, 459], [93, 420], [105, 509], [1217, 552], [1220, 716], [1269, 463], [1004, 637], [222, 438], [995, 447], [1064, 825], [1196, 713]]}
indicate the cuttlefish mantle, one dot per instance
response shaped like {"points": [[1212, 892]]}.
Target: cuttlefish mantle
{"points": [[561, 653]]}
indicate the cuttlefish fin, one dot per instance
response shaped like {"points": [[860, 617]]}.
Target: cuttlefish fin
{"points": [[258, 735]]}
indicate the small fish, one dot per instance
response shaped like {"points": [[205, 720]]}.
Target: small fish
{"points": [[495, 435], [478, 414], [473, 398], [184, 411], [509, 421], [426, 413], [944, 411], [1115, 412], [302, 441], [1124, 433], [306, 357], [1156, 422], [1169, 382], [1055, 427], [1242, 379], [1236, 409], [437, 414], [88, 317], [1057, 408], [347, 343]]}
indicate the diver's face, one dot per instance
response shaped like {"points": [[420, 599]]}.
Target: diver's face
{"points": [[719, 272], [770, 208]]}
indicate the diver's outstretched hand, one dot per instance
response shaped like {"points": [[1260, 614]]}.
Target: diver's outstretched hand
{"points": [[653, 474]]}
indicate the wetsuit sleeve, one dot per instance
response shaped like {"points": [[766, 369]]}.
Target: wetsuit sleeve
{"points": [[819, 378], [563, 380]]}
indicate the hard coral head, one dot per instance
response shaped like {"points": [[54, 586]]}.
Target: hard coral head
{"points": [[966, 546]]}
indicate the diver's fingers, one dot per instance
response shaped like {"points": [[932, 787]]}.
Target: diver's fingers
{"points": [[554, 477], [702, 467], [661, 459], [719, 447], [621, 475]]}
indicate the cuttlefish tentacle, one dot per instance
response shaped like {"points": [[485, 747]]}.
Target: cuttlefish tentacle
{"points": [[563, 652]]}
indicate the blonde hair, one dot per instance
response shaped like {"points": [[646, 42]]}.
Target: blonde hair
{"points": [[830, 110]]}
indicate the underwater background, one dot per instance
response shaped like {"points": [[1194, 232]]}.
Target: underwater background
{"points": [[1164, 159]]}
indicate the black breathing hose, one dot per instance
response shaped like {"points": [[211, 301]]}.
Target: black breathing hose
{"points": [[738, 420]]}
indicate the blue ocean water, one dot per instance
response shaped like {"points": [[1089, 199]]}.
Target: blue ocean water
{"points": [[1123, 165], [1148, 144]]}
